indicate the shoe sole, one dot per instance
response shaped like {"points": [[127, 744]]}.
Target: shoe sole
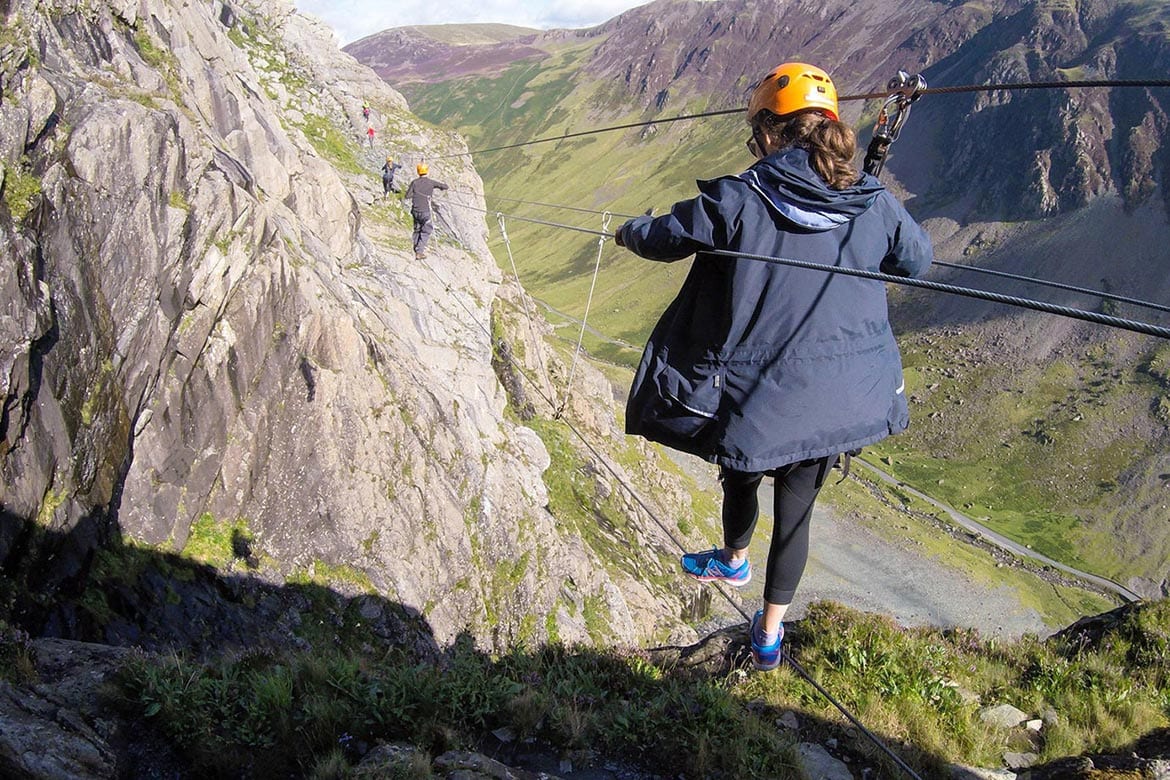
{"points": [[765, 667]]}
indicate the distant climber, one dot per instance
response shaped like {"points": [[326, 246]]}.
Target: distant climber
{"points": [[370, 135], [419, 194], [388, 172], [366, 110]]}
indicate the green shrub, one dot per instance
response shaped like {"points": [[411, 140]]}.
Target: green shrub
{"points": [[22, 189]]}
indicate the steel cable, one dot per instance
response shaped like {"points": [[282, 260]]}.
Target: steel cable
{"points": [[1135, 326], [620, 479], [1120, 83], [941, 263], [1108, 320], [1057, 285]]}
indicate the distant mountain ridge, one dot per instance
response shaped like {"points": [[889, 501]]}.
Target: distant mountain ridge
{"points": [[1062, 149], [431, 52]]}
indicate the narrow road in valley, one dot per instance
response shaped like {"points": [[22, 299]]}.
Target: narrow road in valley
{"points": [[1002, 541], [866, 570], [863, 569]]}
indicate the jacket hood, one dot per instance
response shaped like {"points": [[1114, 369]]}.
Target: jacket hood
{"points": [[791, 188]]}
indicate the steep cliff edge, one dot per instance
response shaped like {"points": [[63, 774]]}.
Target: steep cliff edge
{"points": [[212, 323]]}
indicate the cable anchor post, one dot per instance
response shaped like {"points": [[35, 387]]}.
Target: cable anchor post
{"points": [[904, 90]]}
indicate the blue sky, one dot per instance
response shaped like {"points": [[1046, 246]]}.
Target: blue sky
{"points": [[354, 19]]}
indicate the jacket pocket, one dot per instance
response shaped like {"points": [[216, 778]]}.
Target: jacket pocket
{"points": [[686, 404]]}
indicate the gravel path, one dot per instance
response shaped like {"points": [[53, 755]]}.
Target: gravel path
{"points": [[855, 566]]}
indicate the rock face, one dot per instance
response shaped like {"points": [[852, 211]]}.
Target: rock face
{"points": [[1063, 148], [206, 317]]}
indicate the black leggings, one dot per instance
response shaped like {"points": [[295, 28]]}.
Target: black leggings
{"points": [[797, 485]]}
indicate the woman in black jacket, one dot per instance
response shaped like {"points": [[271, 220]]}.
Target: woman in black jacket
{"points": [[764, 368]]}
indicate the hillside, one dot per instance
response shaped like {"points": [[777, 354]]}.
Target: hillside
{"points": [[430, 52], [1042, 182]]}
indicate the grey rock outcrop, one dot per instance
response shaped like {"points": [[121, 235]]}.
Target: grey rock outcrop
{"points": [[55, 727], [979, 773], [1004, 716], [817, 762], [209, 315]]}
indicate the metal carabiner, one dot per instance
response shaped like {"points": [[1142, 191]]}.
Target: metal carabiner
{"points": [[905, 90]]}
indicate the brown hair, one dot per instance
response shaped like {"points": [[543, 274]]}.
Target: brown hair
{"points": [[831, 144]]}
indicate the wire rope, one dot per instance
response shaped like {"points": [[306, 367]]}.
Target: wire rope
{"points": [[1084, 84], [994, 297], [941, 263], [1057, 285], [1117, 322], [524, 301], [1011, 300], [585, 317], [850, 716], [620, 479], [1135, 326], [579, 209]]}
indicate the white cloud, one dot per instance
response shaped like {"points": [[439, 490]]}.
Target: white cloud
{"points": [[582, 13], [353, 20]]}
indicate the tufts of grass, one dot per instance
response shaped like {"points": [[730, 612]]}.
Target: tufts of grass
{"points": [[925, 687], [22, 190], [17, 656], [920, 690], [325, 574], [161, 59], [597, 515], [218, 543], [275, 716], [332, 143]]}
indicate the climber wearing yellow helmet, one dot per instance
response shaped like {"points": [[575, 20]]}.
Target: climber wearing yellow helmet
{"points": [[419, 194], [389, 171]]}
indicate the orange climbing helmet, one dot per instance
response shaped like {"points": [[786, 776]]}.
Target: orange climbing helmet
{"points": [[422, 169], [794, 87]]}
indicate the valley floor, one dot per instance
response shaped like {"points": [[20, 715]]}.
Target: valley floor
{"points": [[860, 568]]}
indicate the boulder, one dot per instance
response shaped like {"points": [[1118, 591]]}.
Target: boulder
{"points": [[1003, 716]]}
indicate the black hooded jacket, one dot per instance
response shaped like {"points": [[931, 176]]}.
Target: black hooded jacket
{"points": [[756, 365]]}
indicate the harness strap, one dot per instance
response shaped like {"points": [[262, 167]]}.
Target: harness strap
{"points": [[843, 463]]}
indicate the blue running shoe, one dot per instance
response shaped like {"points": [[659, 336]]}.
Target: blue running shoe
{"points": [[765, 657], [707, 566]]}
